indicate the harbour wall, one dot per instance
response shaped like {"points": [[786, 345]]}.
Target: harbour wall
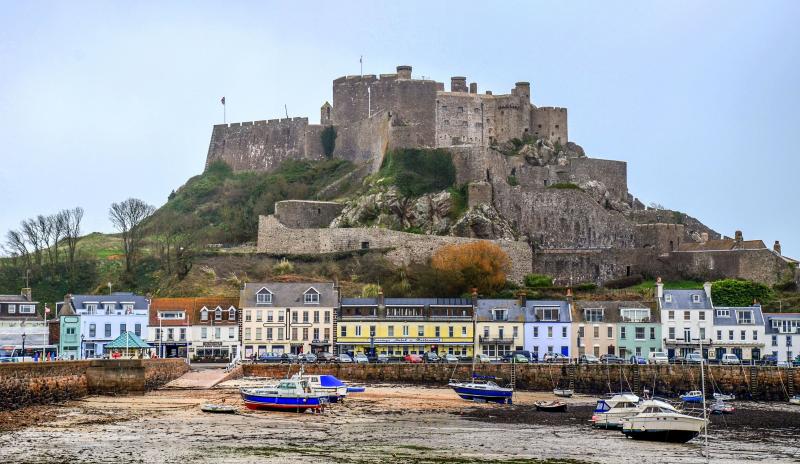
{"points": [[746, 382], [25, 384]]}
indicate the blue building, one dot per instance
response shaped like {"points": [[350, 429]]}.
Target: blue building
{"points": [[548, 327]]}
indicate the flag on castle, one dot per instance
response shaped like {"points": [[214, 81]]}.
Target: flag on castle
{"points": [[222, 101]]}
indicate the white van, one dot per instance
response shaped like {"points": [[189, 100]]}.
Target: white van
{"points": [[730, 359], [657, 357]]}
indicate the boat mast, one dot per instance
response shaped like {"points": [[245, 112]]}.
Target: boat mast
{"points": [[474, 329], [703, 388]]}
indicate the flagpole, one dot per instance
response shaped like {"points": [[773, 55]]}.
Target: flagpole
{"points": [[361, 65]]}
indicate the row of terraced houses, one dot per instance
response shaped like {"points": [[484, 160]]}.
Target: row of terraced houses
{"points": [[281, 317]]}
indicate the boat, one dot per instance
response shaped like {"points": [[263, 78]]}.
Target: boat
{"points": [[288, 395], [563, 392], [694, 396], [551, 406], [659, 421], [724, 397], [795, 399], [482, 388], [608, 413], [355, 389], [218, 408], [721, 407], [328, 384]]}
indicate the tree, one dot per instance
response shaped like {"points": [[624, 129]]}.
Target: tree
{"points": [[72, 231], [370, 291], [733, 292], [328, 140], [127, 216], [478, 264]]}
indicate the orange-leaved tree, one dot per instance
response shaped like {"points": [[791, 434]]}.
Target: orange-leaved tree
{"points": [[477, 264]]}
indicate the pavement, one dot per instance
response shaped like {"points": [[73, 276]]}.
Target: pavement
{"points": [[201, 376]]}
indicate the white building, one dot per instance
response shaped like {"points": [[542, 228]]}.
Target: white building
{"points": [[739, 331], [783, 336], [687, 319]]}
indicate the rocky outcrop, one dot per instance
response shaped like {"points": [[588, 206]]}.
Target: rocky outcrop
{"points": [[483, 221], [542, 152]]}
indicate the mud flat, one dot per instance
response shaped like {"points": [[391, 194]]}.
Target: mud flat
{"points": [[386, 424]]}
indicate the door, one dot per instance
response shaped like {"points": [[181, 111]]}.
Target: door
{"points": [[757, 354], [565, 350], [670, 353], [738, 353]]}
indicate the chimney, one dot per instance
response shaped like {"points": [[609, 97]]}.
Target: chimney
{"points": [[738, 236], [523, 298], [659, 288], [777, 247], [381, 301], [474, 297], [404, 71], [707, 289], [703, 237], [458, 84], [569, 296], [473, 87], [26, 292]]}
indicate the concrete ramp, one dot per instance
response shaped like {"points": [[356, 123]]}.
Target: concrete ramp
{"points": [[198, 379]]}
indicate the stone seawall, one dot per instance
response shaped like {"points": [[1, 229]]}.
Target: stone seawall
{"points": [[758, 383], [25, 384]]}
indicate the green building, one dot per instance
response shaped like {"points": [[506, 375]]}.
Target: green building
{"points": [[69, 337], [638, 330]]}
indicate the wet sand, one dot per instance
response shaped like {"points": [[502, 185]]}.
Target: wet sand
{"points": [[386, 424]]}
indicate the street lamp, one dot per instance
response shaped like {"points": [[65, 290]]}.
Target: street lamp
{"points": [[81, 355]]}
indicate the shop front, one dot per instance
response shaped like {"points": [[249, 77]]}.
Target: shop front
{"points": [[399, 347], [214, 352]]}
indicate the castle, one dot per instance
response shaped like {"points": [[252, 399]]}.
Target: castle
{"points": [[594, 232]]}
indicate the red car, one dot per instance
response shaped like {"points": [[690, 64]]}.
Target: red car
{"points": [[412, 358]]}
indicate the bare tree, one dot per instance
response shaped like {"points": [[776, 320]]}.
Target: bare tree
{"points": [[31, 234], [126, 217], [72, 231], [16, 245]]}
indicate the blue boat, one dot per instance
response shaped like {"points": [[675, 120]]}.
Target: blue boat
{"points": [[288, 395], [693, 396], [482, 388], [328, 384]]}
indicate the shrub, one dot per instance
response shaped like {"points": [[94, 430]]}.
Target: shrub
{"points": [[328, 139], [624, 282], [512, 181], [479, 264], [416, 172], [283, 267], [565, 185], [538, 280], [733, 292], [370, 290]]}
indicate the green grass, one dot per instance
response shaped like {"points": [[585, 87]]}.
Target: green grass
{"points": [[565, 186], [670, 285], [416, 172]]}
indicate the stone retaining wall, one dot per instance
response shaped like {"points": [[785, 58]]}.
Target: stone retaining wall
{"points": [[771, 383]]}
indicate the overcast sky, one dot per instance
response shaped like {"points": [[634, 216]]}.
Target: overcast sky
{"points": [[109, 100]]}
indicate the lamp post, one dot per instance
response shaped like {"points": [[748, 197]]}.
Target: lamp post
{"points": [[23, 345], [82, 355]]}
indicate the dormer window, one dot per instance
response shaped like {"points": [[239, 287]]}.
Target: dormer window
{"points": [[232, 314], [593, 314], [723, 313], [744, 317], [218, 314], [547, 313], [263, 296], [311, 296], [91, 308], [499, 314], [695, 298], [204, 314], [668, 298]]}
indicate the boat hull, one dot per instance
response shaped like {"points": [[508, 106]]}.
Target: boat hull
{"points": [[477, 394], [671, 436], [279, 403]]}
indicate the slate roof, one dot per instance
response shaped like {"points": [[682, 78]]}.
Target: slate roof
{"points": [[769, 317], [289, 294], [192, 306], [564, 314], [15, 299], [758, 316], [611, 310], [515, 312], [682, 299], [407, 302], [127, 340], [139, 301]]}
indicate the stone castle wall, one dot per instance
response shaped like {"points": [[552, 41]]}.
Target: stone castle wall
{"points": [[663, 238], [758, 265], [301, 214], [402, 247], [551, 123]]}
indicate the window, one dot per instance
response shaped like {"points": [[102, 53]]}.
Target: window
{"points": [[305, 334], [742, 335], [217, 333], [12, 309], [127, 307], [420, 331], [247, 333], [564, 331], [501, 332], [581, 331], [640, 333], [232, 314], [549, 332], [719, 335], [546, 313], [26, 309], [327, 333], [687, 316], [437, 332], [70, 330], [486, 332], [158, 334], [280, 334], [269, 333], [723, 313], [294, 333], [259, 332], [755, 335], [744, 317], [170, 334], [259, 315], [535, 332], [183, 333], [204, 332], [652, 333], [218, 314], [294, 317], [596, 332], [316, 333], [372, 330], [316, 317], [463, 331], [248, 315], [204, 314], [269, 316], [93, 330], [775, 340], [137, 329], [695, 298], [500, 314], [702, 333], [264, 296], [671, 315], [450, 331], [108, 330], [281, 316], [593, 314], [622, 333], [788, 341], [327, 317], [668, 298], [391, 330], [311, 296], [635, 314], [305, 317], [405, 331], [515, 331], [671, 333], [702, 315], [730, 335], [358, 331], [610, 332], [123, 328]]}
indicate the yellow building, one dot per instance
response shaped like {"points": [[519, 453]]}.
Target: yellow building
{"points": [[400, 326], [500, 327]]}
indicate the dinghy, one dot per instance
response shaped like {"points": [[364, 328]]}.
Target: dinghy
{"points": [[563, 392], [694, 396], [551, 406], [218, 408]]}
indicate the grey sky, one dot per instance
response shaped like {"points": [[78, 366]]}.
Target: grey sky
{"points": [[107, 100]]}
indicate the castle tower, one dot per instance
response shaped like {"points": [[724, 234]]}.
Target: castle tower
{"points": [[523, 90], [458, 84], [404, 71], [325, 114]]}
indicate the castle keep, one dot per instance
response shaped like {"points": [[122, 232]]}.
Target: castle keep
{"points": [[526, 180]]}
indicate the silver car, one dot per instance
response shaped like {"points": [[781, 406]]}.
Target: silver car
{"points": [[360, 358]]}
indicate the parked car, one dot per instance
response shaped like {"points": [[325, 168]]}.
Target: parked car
{"points": [[611, 359], [796, 361], [551, 357], [289, 358], [588, 359], [529, 355], [693, 358], [360, 358], [657, 357], [343, 358], [269, 357], [324, 356], [308, 358], [382, 358], [730, 358], [450, 358], [483, 358], [769, 360], [430, 357], [637, 360], [412, 358]]}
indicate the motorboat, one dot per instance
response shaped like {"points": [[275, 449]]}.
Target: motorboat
{"points": [[694, 396], [563, 392], [323, 383], [659, 421], [288, 395], [482, 388], [724, 397], [608, 413], [551, 406], [721, 407], [795, 399]]}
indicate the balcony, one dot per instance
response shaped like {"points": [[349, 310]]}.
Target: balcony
{"points": [[497, 340]]}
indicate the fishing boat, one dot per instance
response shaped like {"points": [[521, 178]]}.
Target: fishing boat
{"points": [[563, 392], [659, 421], [551, 406], [795, 399], [608, 413], [694, 396], [721, 407], [724, 397], [482, 388], [288, 395], [218, 408], [328, 384]]}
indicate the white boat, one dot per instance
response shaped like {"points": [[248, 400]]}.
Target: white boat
{"points": [[563, 392], [659, 421], [724, 397], [795, 399], [328, 384], [608, 413]]}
